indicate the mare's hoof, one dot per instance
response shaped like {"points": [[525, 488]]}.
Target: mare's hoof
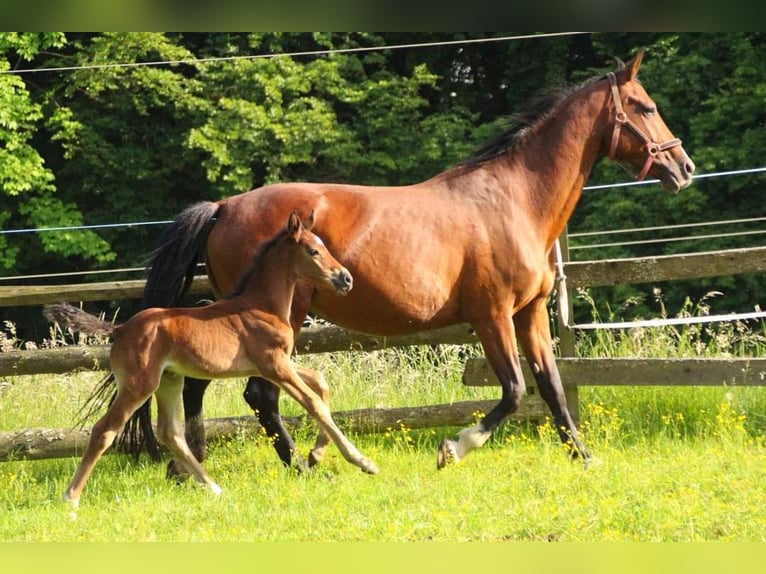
{"points": [[446, 454]]}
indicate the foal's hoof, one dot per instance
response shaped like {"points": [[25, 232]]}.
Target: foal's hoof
{"points": [[592, 462], [174, 472], [368, 466], [446, 454], [72, 503]]}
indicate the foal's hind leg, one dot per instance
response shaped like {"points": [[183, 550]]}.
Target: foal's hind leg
{"points": [[535, 339], [170, 431], [102, 436]]}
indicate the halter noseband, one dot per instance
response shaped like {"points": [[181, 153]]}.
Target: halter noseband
{"points": [[622, 119]]}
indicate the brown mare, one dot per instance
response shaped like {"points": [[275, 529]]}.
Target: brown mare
{"points": [[245, 334], [473, 244]]}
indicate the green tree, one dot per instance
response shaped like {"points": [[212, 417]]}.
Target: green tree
{"points": [[29, 197]]}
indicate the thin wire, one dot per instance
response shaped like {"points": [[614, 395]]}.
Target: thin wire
{"points": [[648, 181], [665, 227], [671, 321], [667, 240], [587, 188], [81, 227], [290, 54], [80, 273], [75, 273]]}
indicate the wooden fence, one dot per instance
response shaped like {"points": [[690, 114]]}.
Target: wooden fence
{"points": [[576, 372]]}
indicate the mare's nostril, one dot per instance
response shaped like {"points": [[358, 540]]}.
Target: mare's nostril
{"points": [[689, 167]]}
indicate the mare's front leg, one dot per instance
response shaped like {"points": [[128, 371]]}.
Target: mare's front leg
{"points": [[193, 395], [498, 339], [533, 328]]}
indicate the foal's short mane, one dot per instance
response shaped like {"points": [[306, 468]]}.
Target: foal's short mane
{"points": [[257, 262], [523, 123]]}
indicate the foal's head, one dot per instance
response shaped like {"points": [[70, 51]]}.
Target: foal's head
{"points": [[314, 263]]}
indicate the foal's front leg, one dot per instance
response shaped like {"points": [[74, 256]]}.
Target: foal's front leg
{"points": [[318, 384], [263, 397], [286, 377]]}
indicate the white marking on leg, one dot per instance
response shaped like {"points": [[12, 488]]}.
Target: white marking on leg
{"points": [[469, 439]]}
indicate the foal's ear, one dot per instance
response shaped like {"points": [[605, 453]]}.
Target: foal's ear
{"points": [[308, 223], [294, 225], [635, 64]]}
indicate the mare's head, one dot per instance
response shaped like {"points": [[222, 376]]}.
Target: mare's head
{"points": [[640, 137], [314, 263]]}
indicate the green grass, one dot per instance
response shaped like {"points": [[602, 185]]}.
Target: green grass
{"points": [[674, 464]]}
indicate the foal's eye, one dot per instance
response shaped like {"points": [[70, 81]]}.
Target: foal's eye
{"points": [[312, 252]]}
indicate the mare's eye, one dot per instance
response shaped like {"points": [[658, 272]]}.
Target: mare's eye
{"points": [[312, 252]]}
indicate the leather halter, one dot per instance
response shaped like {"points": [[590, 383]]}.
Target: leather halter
{"points": [[621, 119]]}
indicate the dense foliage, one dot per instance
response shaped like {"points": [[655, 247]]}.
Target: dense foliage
{"points": [[90, 144]]}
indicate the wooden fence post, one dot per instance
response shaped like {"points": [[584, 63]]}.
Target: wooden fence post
{"points": [[565, 320]]}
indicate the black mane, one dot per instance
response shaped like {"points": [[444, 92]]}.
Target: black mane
{"points": [[523, 123]]}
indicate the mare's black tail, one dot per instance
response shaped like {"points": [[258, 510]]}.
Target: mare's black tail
{"points": [[171, 272]]}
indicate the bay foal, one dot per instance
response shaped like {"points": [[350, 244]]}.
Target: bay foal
{"points": [[246, 334]]}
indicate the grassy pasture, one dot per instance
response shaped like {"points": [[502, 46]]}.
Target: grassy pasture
{"points": [[674, 464]]}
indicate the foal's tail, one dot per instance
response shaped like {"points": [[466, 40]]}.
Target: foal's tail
{"points": [[171, 272], [81, 322], [77, 319]]}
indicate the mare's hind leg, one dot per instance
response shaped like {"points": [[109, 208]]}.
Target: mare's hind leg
{"points": [[499, 342], [170, 430], [193, 394], [534, 334], [318, 384], [102, 436], [263, 397]]}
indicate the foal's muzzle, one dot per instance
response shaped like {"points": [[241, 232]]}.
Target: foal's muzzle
{"points": [[342, 281]]}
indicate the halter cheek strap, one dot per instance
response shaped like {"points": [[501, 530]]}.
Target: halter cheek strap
{"points": [[621, 119]]}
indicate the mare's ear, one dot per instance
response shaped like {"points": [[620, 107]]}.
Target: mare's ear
{"points": [[294, 225], [635, 64], [308, 223]]}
